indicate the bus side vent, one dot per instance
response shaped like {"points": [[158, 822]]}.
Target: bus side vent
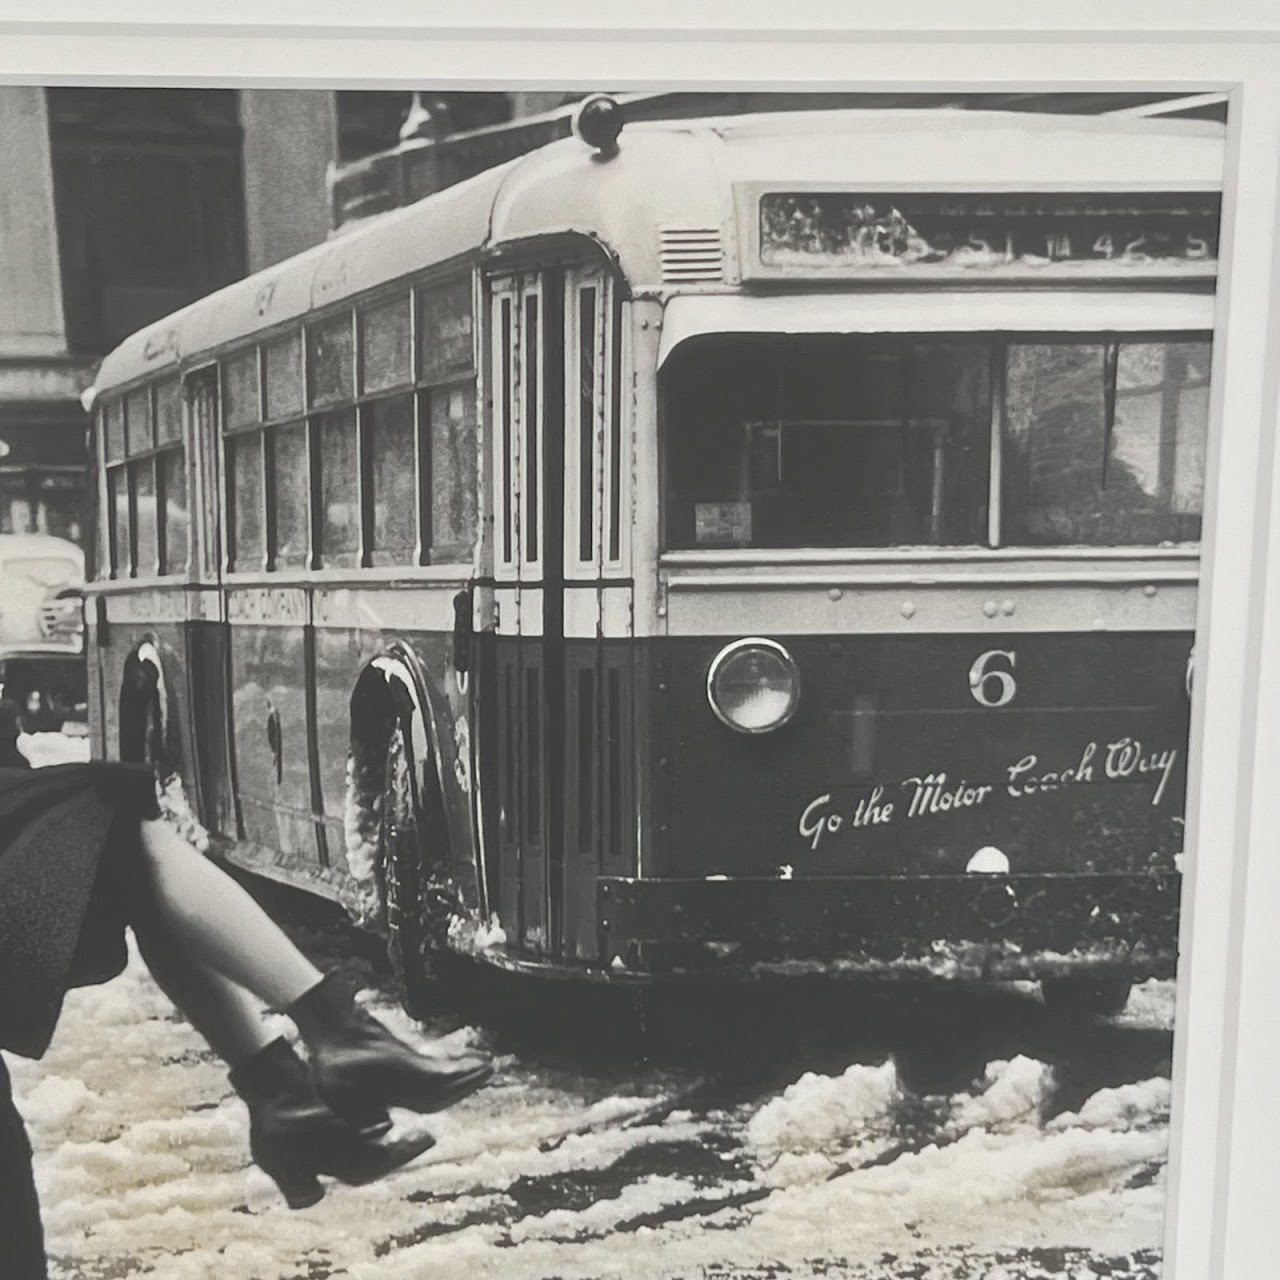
{"points": [[691, 254]]}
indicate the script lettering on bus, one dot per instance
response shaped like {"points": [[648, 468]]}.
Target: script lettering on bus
{"points": [[934, 794]]}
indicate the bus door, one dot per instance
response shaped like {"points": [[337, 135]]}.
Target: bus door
{"points": [[207, 639], [562, 603]]}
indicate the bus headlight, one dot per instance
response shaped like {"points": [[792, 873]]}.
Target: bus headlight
{"points": [[753, 685]]}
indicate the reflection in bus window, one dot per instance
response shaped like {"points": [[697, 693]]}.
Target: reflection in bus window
{"points": [[146, 536], [339, 489], [245, 500], [1074, 477], [292, 495], [453, 473], [283, 377], [389, 442], [329, 361], [826, 441], [172, 476]]}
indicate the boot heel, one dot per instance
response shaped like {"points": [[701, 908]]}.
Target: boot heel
{"points": [[300, 1189]]}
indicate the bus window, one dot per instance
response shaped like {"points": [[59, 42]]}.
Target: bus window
{"points": [[171, 477], [118, 503], [282, 376], [339, 489], [137, 421], [329, 361], [113, 422], [292, 476], [386, 346], [146, 538], [240, 403], [826, 441], [168, 412], [453, 473], [1077, 473], [245, 499], [391, 449], [445, 331]]}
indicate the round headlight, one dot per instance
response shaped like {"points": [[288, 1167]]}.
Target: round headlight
{"points": [[753, 685]]}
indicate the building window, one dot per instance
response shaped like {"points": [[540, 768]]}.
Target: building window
{"points": [[150, 204]]}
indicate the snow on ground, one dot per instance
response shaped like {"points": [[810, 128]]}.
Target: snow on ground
{"points": [[143, 1169]]}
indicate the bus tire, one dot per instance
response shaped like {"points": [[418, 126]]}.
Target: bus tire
{"points": [[413, 946], [1086, 997]]}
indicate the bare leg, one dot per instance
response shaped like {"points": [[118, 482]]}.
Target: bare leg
{"points": [[222, 1011], [213, 923]]}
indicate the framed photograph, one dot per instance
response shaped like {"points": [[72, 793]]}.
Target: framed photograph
{"points": [[727, 563]]}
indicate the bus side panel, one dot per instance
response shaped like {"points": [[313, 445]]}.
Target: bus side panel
{"points": [[273, 772]]}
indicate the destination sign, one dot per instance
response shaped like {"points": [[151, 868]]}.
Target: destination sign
{"points": [[1023, 234]]}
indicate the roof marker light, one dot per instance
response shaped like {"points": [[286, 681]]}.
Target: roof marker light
{"points": [[598, 122]]}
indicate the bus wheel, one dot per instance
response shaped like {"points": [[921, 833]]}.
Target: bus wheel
{"points": [[1086, 997], [410, 945]]}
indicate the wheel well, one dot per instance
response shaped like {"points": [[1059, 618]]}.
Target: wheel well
{"points": [[148, 729], [386, 693]]}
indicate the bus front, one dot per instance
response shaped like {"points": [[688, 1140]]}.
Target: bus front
{"points": [[929, 490]]}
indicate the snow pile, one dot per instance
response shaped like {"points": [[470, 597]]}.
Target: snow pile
{"points": [[1014, 1093], [819, 1113], [1123, 1109]]}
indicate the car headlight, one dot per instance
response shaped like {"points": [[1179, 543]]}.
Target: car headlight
{"points": [[753, 685]]}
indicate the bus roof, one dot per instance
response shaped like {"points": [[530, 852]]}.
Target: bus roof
{"points": [[681, 176]]}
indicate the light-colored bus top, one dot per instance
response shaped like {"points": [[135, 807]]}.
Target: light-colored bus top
{"points": [[682, 175]]}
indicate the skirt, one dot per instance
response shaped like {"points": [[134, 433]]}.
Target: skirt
{"points": [[68, 880]]}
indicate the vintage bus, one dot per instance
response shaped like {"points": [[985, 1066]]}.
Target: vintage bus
{"points": [[695, 551]]}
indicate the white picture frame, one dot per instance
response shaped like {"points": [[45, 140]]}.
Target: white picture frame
{"points": [[1225, 1156]]}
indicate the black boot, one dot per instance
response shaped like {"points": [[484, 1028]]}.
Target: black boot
{"points": [[293, 1135], [360, 1068]]}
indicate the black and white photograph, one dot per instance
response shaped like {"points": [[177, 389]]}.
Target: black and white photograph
{"points": [[598, 682]]}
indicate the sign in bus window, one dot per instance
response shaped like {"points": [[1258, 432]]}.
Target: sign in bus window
{"points": [[390, 446], [339, 489], [827, 441], [1104, 443], [292, 495], [386, 346], [445, 330], [240, 406], [245, 497], [453, 473], [282, 374], [172, 477], [329, 361]]}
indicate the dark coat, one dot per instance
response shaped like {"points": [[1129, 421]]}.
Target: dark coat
{"points": [[68, 881]]}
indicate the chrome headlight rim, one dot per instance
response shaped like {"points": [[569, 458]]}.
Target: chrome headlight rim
{"points": [[731, 651]]}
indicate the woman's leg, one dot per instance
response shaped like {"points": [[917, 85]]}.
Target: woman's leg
{"points": [[222, 1011], [205, 915]]}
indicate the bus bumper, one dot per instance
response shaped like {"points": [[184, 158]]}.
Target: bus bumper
{"points": [[970, 927]]}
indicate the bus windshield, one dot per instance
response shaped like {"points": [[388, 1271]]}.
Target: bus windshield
{"points": [[840, 440]]}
